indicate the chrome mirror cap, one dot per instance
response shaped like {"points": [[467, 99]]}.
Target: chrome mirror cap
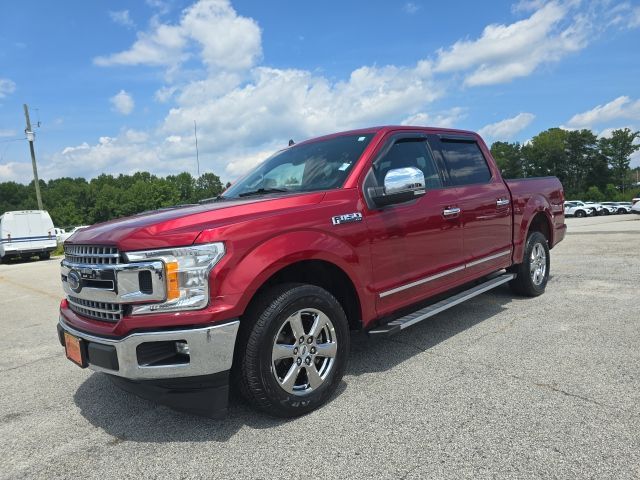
{"points": [[403, 179]]}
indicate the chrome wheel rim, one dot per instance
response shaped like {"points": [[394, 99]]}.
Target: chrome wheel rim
{"points": [[538, 264], [304, 351]]}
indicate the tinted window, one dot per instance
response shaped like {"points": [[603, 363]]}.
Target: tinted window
{"points": [[319, 165], [465, 163], [408, 153]]}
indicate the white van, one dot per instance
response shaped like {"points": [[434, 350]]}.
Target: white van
{"points": [[26, 233]]}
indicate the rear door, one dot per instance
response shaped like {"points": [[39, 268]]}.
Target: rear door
{"points": [[485, 203], [22, 228], [416, 248]]}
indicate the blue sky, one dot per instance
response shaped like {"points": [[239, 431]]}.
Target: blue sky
{"points": [[117, 85]]}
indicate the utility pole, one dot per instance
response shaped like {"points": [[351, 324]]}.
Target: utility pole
{"points": [[31, 137], [195, 134]]}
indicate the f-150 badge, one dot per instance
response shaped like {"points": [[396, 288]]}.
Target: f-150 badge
{"points": [[347, 218]]}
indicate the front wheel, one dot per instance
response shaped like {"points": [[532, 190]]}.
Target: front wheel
{"points": [[533, 272], [580, 214], [292, 350]]}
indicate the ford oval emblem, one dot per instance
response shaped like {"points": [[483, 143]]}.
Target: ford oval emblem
{"points": [[74, 281]]}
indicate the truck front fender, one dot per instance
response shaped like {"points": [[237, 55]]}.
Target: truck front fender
{"points": [[242, 279]]}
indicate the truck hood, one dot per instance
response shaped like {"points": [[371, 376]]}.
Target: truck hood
{"points": [[180, 226]]}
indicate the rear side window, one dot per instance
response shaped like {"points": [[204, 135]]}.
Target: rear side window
{"points": [[465, 163]]}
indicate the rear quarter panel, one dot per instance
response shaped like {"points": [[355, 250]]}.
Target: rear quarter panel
{"points": [[529, 197]]}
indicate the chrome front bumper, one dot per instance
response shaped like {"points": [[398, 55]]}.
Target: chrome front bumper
{"points": [[210, 351]]}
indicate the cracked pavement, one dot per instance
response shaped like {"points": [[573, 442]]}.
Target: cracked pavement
{"points": [[497, 387]]}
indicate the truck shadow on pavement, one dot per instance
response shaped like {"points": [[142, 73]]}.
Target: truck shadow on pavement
{"points": [[127, 417]]}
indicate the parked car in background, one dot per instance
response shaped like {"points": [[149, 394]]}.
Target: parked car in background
{"points": [[599, 208], [618, 207], [571, 209], [596, 207], [66, 235], [636, 208], [59, 232], [26, 233]]}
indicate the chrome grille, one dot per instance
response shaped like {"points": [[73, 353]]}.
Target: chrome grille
{"points": [[92, 254], [108, 312]]}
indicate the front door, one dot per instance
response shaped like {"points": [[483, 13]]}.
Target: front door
{"points": [[416, 246]]}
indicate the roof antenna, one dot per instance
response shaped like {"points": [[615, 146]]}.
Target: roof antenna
{"points": [[291, 142]]}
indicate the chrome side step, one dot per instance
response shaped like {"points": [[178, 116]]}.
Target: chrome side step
{"points": [[401, 323]]}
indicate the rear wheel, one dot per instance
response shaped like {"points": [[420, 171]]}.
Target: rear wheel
{"points": [[292, 351], [533, 272], [44, 255]]}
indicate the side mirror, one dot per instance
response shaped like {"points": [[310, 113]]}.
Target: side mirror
{"points": [[400, 185]]}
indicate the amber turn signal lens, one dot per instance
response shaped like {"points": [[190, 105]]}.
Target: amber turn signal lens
{"points": [[173, 289]]}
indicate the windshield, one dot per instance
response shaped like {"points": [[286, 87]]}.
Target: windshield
{"points": [[320, 165]]}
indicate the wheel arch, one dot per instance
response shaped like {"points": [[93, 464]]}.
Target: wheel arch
{"points": [[536, 216], [323, 274]]}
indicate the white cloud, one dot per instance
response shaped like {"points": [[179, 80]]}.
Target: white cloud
{"points": [[161, 46], [123, 18], [508, 128], [7, 87], [224, 40], [505, 52], [621, 108], [5, 132], [16, 172], [122, 102], [411, 8], [446, 119]]}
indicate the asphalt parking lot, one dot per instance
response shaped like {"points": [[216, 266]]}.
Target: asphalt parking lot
{"points": [[499, 387]]}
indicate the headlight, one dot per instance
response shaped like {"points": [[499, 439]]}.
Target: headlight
{"points": [[187, 275]]}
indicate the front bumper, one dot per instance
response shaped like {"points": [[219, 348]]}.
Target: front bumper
{"points": [[210, 351]]}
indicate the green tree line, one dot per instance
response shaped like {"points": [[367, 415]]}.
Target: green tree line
{"points": [[76, 201], [589, 167]]}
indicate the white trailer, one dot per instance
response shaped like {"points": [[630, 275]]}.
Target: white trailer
{"points": [[26, 233]]}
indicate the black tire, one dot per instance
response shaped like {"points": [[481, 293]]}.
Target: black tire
{"points": [[44, 255], [524, 283], [254, 371], [580, 213], [605, 211], [621, 211]]}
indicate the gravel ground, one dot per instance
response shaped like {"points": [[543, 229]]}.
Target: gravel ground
{"points": [[499, 387]]}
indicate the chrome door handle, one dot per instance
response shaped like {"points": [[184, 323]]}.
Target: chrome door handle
{"points": [[501, 202], [447, 212]]}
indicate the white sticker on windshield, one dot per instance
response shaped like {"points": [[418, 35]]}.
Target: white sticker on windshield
{"points": [[344, 166], [361, 139]]}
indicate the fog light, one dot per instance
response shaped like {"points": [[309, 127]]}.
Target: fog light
{"points": [[182, 348]]}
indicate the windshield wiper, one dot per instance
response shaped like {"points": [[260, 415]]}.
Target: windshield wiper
{"points": [[261, 191]]}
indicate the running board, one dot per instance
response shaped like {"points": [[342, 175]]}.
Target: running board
{"points": [[401, 323]]}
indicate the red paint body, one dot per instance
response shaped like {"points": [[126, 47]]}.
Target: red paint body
{"points": [[391, 247]]}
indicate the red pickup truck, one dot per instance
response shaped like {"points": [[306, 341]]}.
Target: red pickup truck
{"points": [[373, 229]]}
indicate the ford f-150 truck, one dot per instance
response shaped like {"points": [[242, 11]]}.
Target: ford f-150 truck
{"points": [[374, 229]]}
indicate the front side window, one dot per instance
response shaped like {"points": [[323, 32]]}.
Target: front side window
{"points": [[404, 153], [319, 165], [465, 163]]}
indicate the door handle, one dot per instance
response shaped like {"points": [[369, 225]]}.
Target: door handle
{"points": [[502, 202], [448, 212]]}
